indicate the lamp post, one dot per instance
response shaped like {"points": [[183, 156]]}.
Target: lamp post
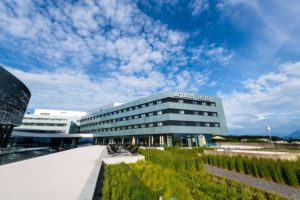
{"points": [[268, 129]]}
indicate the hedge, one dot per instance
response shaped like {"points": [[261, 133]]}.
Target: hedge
{"points": [[163, 175], [280, 171]]}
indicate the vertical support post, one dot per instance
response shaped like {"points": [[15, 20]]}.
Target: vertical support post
{"points": [[196, 140], [189, 140], [169, 140], [61, 143], [73, 144]]}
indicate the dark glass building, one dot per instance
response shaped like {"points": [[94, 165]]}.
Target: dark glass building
{"points": [[14, 98]]}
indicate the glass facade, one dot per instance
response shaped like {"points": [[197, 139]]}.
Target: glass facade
{"points": [[14, 98], [164, 118]]}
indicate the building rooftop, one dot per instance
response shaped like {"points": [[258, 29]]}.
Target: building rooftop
{"points": [[63, 113]]}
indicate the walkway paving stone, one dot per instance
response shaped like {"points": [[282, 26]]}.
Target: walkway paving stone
{"points": [[283, 190]]}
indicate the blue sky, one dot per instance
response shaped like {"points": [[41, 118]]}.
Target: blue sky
{"points": [[78, 55]]}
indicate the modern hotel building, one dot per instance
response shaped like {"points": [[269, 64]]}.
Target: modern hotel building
{"points": [[165, 119]]}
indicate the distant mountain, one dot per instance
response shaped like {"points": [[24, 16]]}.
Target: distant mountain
{"points": [[295, 134]]}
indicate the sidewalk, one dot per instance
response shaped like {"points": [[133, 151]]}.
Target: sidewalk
{"points": [[57, 176], [283, 190]]}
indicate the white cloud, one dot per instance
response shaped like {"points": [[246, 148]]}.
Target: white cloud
{"points": [[64, 89], [84, 32], [271, 98], [198, 6], [95, 52]]}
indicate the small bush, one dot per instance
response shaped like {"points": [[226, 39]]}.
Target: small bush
{"points": [[276, 170]]}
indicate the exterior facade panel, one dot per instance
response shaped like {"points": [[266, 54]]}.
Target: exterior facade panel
{"points": [[14, 98], [51, 121], [163, 117]]}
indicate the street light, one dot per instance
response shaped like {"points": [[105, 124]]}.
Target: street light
{"points": [[268, 129]]}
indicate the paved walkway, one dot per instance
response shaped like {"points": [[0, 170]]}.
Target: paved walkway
{"points": [[284, 190], [57, 176]]}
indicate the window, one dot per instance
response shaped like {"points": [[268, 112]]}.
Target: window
{"points": [[196, 113], [129, 127], [143, 115], [130, 108], [214, 114], [136, 126], [151, 104], [136, 107], [150, 114], [123, 128], [135, 117], [130, 117], [180, 101], [124, 119], [181, 112], [207, 124], [151, 125], [159, 124], [182, 123], [144, 105], [213, 104], [143, 126], [194, 102], [158, 102], [159, 112], [205, 113], [197, 123]]}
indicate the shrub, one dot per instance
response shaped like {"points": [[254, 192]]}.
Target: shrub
{"points": [[277, 170], [175, 173], [240, 165], [289, 175], [121, 183]]}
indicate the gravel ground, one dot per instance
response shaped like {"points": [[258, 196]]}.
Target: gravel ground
{"points": [[283, 190]]}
